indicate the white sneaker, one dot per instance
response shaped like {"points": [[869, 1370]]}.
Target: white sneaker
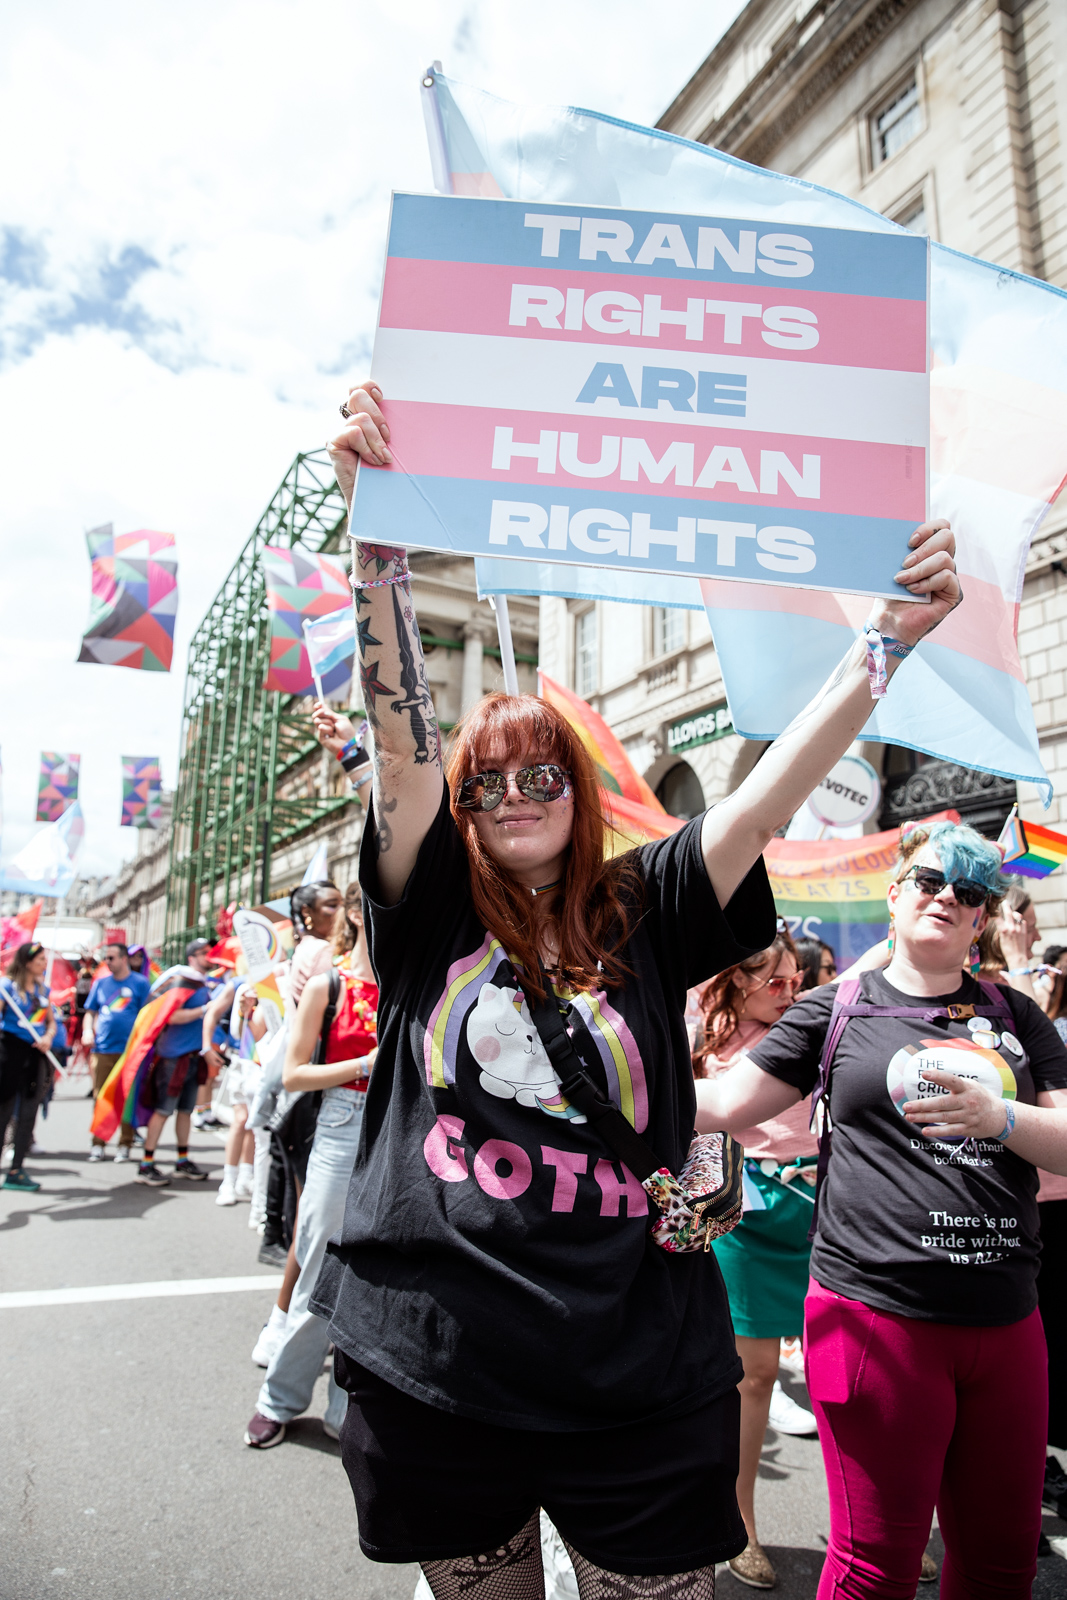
{"points": [[227, 1195], [791, 1356], [243, 1191], [124, 1153], [257, 1219], [96, 1153], [787, 1417]]}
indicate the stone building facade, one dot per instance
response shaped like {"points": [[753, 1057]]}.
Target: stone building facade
{"points": [[949, 116]]}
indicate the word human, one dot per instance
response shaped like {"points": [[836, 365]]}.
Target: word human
{"points": [[633, 458], [778, 255]]}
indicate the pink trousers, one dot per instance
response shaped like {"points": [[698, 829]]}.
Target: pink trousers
{"points": [[914, 1415]]}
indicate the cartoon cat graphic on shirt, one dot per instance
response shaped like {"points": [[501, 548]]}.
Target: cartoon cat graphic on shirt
{"points": [[508, 1049]]}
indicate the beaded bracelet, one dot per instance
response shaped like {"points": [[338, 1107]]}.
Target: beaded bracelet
{"points": [[878, 644], [379, 583]]}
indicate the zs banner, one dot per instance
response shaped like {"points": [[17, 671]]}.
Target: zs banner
{"points": [[674, 394]]}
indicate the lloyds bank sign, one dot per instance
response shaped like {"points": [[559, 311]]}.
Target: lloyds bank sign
{"points": [[702, 728]]}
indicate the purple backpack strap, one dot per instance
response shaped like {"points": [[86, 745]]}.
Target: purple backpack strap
{"points": [[849, 990]]}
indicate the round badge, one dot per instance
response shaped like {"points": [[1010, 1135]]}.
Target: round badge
{"points": [[987, 1041], [962, 1057], [977, 1024], [1012, 1043]]}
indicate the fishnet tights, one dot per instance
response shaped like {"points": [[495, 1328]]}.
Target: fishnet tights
{"points": [[514, 1572]]}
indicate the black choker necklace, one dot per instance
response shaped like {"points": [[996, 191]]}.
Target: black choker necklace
{"points": [[545, 887]]}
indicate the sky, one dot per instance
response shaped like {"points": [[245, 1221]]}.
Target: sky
{"points": [[193, 206]]}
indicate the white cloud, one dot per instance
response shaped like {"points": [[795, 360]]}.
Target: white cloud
{"points": [[194, 204]]}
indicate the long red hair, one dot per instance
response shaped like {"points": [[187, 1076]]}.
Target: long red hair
{"points": [[589, 916]]}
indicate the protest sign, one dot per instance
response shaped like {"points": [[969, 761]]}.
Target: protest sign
{"points": [[652, 392]]}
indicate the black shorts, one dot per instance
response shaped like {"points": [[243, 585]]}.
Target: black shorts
{"points": [[647, 1497]]}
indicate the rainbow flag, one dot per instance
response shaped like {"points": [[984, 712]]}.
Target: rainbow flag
{"points": [[118, 1099], [1030, 851], [835, 889]]}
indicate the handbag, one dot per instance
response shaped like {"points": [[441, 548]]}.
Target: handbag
{"points": [[703, 1201]]}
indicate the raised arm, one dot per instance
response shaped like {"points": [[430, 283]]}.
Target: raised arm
{"points": [[741, 1098], [392, 671], [738, 830]]}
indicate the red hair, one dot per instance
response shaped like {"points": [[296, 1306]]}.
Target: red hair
{"points": [[589, 918]]}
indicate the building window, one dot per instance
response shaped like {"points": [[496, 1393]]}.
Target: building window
{"points": [[585, 665], [913, 216], [680, 794], [668, 630], [896, 124]]}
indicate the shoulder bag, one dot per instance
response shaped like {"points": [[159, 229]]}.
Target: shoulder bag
{"points": [[703, 1201]]}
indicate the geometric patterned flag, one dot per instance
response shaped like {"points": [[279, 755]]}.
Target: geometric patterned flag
{"points": [[299, 585], [57, 787], [141, 784], [135, 597]]}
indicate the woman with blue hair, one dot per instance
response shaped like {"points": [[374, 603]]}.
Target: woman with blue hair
{"points": [[923, 1342]]}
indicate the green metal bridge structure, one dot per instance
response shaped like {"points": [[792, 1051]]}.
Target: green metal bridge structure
{"points": [[244, 748]]}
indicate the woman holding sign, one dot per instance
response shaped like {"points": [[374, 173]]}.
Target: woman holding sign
{"points": [[509, 1332], [944, 1094]]}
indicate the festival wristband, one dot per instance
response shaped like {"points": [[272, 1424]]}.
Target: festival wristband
{"points": [[878, 646], [357, 783], [347, 750], [1009, 1124]]}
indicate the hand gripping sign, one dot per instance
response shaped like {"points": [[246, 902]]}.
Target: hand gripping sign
{"points": [[676, 394]]}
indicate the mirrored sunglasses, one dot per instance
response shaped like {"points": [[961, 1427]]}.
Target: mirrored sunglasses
{"points": [[931, 882], [485, 790]]}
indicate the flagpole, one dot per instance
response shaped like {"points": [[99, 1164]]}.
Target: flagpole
{"points": [[499, 603], [52, 946]]}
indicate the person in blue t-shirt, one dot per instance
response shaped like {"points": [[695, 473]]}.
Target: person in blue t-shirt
{"points": [[27, 1028], [110, 1010], [176, 1072]]}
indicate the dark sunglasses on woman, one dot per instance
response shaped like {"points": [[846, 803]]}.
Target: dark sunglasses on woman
{"points": [[485, 790], [929, 881]]}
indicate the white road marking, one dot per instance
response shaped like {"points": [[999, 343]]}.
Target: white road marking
{"points": [[137, 1291]]}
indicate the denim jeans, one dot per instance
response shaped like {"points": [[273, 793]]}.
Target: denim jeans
{"points": [[290, 1379]]}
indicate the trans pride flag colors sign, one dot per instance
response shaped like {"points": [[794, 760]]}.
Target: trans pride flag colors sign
{"points": [[998, 430], [57, 784], [652, 391]]}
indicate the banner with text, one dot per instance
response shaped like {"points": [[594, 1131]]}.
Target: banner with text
{"points": [[655, 393]]}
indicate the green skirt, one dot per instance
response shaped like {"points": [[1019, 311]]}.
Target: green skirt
{"points": [[765, 1260]]}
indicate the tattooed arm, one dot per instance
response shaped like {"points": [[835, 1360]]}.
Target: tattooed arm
{"points": [[738, 830], [392, 672]]}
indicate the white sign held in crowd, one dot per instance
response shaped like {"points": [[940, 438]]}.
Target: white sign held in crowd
{"points": [[849, 794], [674, 394]]}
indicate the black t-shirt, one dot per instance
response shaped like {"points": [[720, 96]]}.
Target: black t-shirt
{"points": [[946, 1232], [495, 1260]]}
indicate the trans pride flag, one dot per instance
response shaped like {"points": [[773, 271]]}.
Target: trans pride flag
{"points": [[331, 648], [57, 785], [299, 585], [999, 430], [135, 599]]}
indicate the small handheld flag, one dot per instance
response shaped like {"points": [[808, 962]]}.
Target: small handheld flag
{"points": [[331, 648], [1029, 850]]}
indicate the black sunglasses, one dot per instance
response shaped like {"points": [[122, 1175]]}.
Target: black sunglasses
{"points": [[485, 790], [967, 892]]}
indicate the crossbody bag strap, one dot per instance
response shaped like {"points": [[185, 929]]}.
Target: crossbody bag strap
{"points": [[577, 1086], [328, 1016]]}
